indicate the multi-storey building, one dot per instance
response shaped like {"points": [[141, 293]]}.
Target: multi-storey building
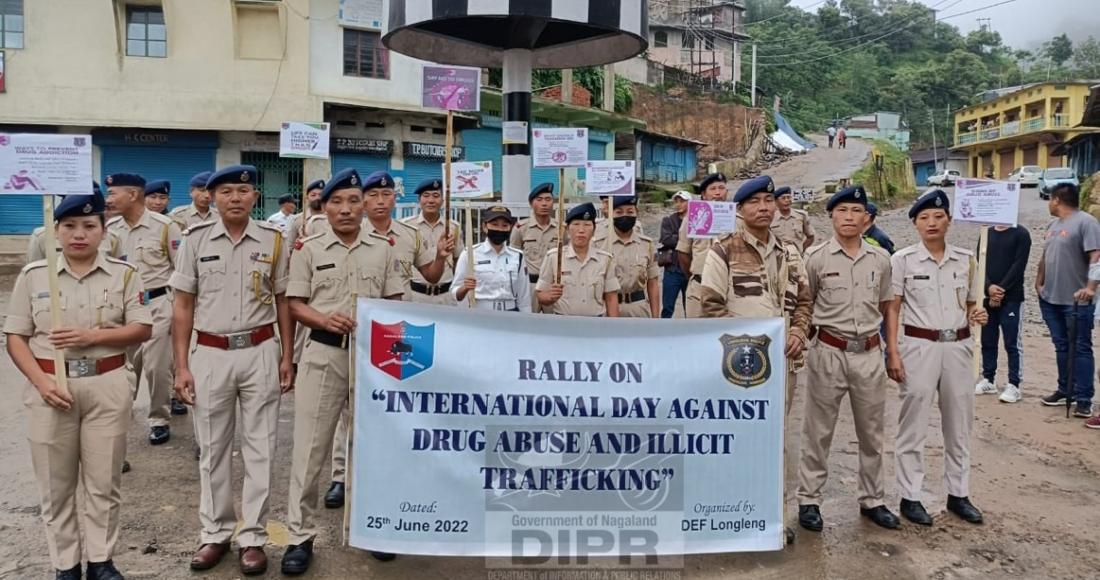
{"points": [[701, 38]]}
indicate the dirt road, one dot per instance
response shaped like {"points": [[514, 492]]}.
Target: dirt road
{"points": [[1034, 473]]}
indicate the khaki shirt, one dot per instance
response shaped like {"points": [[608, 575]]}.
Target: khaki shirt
{"points": [[431, 234], [234, 283], [746, 277], [934, 295], [793, 229], [329, 274], [107, 296], [304, 225], [409, 251], [36, 247], [697, 249], [535, 242], [186, 216], [585, 282], [634, 261], [848, 291], [151, 245]]}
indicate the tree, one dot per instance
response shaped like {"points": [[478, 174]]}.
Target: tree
{"points": [[1060, 49], [1086, 59]]}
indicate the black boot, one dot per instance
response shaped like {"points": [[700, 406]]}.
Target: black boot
{"points": [[881, 516], [809, 517], [334, 499], [915, 512], [103, 571], [962, 507], [296, 560], [70, 574]]}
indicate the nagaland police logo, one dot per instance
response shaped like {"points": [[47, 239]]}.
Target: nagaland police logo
{"points": [[745, 360], [402, 350]]}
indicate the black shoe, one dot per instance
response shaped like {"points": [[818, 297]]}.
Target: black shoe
{"points": [[914, 512], [70, 574], [125, 466], [882, 516], [809, 517], [1055, 399], [1082, 410], [962, 507], [103, 571], [296, 560], [159, 435], [382, 556], [334, 499], [178, 408]]}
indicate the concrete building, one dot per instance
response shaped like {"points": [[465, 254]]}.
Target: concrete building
{"points": [[701, 38], [1021, 125], [1083, 150], [928, 161], [881, 125]]}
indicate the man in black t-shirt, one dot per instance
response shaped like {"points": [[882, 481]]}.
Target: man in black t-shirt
{"points": [[1006, 261]]}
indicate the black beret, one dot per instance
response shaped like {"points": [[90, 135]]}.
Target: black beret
{"points": [[624, 200], [495, 211], [853, 194], [584, 211], [872, 209], [429, 185], [754, 186], [79, 205], [319, 184], [378, 179], [124, 180], [712, 178], [540, 189], [244, 174], [288, 198], [935, 199], [344, 179], [785, 190], [199, 180], [158, 186]]}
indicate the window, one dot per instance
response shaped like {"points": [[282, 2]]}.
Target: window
{"points": [[11, 23], [687, 40], [146, 34], [364, 55], [708, 43], [660, 39]]}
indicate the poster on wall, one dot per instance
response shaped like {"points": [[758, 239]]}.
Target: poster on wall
{"points": [[361, 13]]}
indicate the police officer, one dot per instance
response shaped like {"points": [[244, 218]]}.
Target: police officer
{"points": [[791, 226], [79, 435], [588, 286], [303, 222], [874, 234], [199, 210], [230, 284], [929, 354], [326, 274], [149, 241], [692, 253], [429, 195], [536, 235], [498, 278], [156, 196], [850, 284], [36, 247], [635, 261]]}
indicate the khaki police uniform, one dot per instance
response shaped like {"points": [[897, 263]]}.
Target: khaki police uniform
{"points": [[585, 282], [304, 225], [235, 285], [151, 245], [87, 443], [327, 274], [535, 242], [36, 247], [793, 229], [846, 358], [186, 216], [431, 234], [698, 249], [934, 301], [635, 264]]}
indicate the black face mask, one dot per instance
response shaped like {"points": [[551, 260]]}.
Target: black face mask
{"points": [[498, 237], [315, 205], [625, 223]]}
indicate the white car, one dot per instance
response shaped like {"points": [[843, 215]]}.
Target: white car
{"points": [[1026, 176], [946, 177]]}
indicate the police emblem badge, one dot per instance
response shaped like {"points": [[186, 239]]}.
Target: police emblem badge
{"points": [[745, 360]]}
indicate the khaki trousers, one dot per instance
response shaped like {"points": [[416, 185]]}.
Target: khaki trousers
{"points": [[943, 369], [340, 447], [639, 309], [444, 299], [224, 380], [87, 443], [861, 376], [694, 308], [152, 361], [319, 401]]}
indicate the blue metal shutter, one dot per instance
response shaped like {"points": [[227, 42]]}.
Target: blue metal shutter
{"points": [[485, 145], [417, 170], [22, 213], [176, 164], [364, 164]]}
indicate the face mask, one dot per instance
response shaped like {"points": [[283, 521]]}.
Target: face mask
{"points": [[315, 205], [625, 223], [498, 237]]}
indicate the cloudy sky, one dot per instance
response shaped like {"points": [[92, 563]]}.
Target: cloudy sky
{"points": [[1022, 23]]}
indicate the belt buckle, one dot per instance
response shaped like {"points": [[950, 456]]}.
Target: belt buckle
{"points": [[854, 346], [949, 335], [80, 368], [239, 340]]}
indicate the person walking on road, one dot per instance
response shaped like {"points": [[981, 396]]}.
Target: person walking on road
{"points": [[842, 138], [674, 283], [831, 132], [1066, 294], [1006, 261]]}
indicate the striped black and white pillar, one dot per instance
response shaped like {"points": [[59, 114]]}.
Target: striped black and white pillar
{"points": [[516, 162]]}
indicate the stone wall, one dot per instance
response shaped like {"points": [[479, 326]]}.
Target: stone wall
{"points": [[726, 128]]}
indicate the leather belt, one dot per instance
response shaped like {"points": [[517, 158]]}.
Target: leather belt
{"points": [[848, 344], [239, 340], [632, 297], [534, 278], [937, 335], [85, 367], [697, 277], [329, 338], [430, 289], [155, 293]]}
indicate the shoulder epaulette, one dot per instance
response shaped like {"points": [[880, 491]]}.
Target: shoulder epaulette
{"points": [[409, 226], [815, 248], [316, 217], [605, 253], [120, 262], [39, 231], [906, 250], [964, 251], [311, 237], [178, 210], [879, 250], [194, 228], [269, 226], [114, 220], [161, 218], [33, 265]]}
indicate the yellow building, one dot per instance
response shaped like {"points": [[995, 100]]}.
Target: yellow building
{"points": [[1020, 126]]}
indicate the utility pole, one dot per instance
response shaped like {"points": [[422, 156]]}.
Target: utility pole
{"points": [[935, 154], [567, 86], [754, 74], [609, 87]]}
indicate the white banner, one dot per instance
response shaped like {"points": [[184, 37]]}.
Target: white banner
{"points": [[500, 435], [609, 178], [986, 202], [304, 140], [559, 147], [40, 164], [471, 179]]}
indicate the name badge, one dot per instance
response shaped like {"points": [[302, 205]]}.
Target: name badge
{"points": [[326, 267], [483, 262], [832, 274], [925, 277], [209, 258]]}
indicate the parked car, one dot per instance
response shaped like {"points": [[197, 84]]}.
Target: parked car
{"points": [[1054, 176], [946, 177], [1026, 176]]}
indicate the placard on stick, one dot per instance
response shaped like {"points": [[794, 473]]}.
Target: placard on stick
{"points": [[614, 178], [471, 179], [986, 202], [710, 219], [560, 147], [304, 140]]}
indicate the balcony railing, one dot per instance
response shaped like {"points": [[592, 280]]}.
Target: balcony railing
{"points": [[1059, 120], [991, 133], [1010, 128], [1034, 124], [968, 138]]}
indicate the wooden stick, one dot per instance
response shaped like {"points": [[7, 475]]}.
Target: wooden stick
{"points": [[469, 273], [561, 222], [61, 375], [983, 243], [610, 224], [447, 174], [350, 448]]}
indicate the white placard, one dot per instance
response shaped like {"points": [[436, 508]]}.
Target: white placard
{"points": [[514, 132], [987, 202], [40, 164], [304, 140], [566, 147], [710, 219], [361, 13], [614, 178], [471, 179], [479, 433]]}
